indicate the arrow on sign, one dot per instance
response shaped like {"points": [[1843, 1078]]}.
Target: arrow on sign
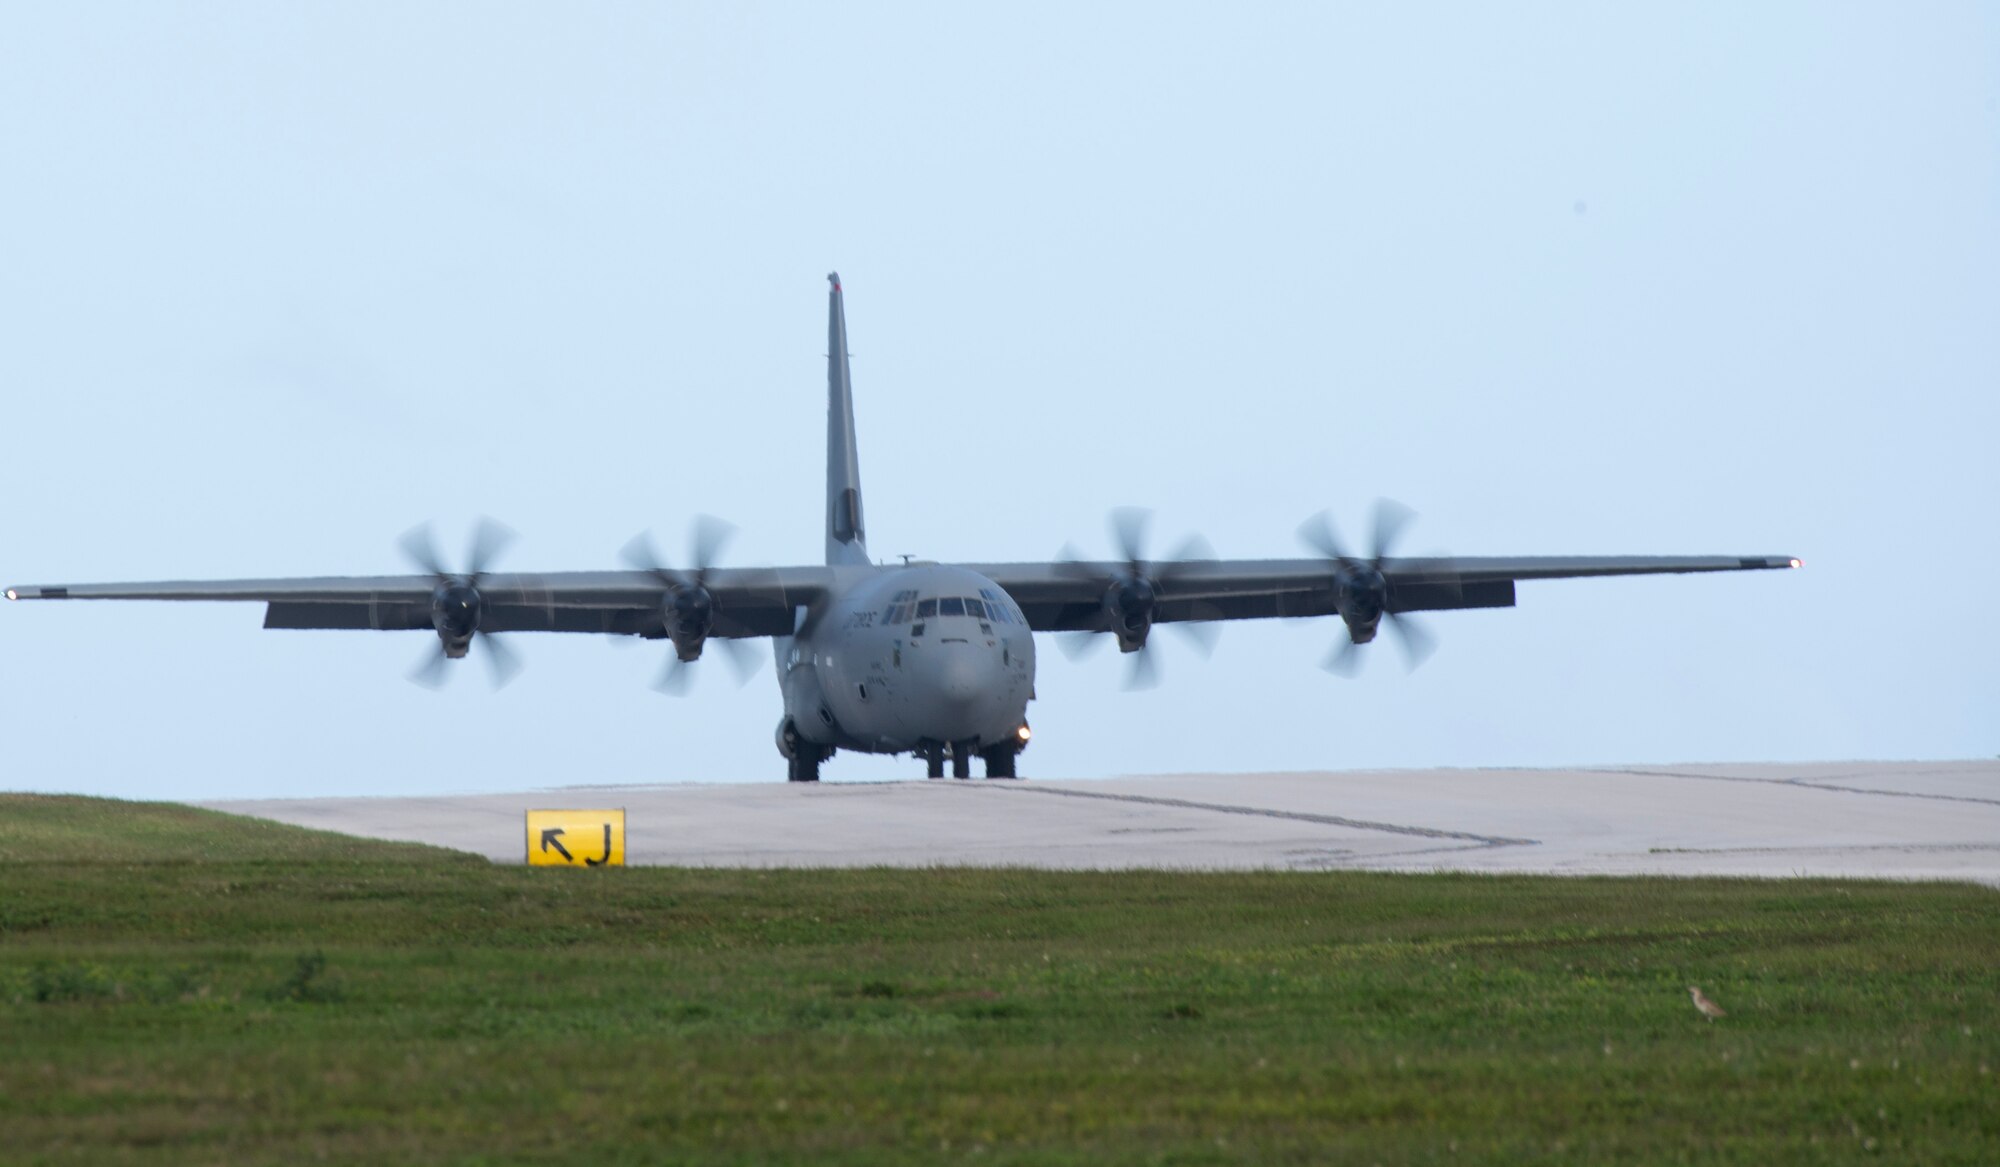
{"points": [[607, 850], [551, 838]]}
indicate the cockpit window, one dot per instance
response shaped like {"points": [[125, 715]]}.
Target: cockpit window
{"points": [[926, 609], [951, 606]]}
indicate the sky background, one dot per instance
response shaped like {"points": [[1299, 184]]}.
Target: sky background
{"points": [[280, 281]]}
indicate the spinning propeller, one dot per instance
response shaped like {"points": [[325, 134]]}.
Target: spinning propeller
{"points": [[687, 606], [457, 606], [1362, 592], [1132, 594]]}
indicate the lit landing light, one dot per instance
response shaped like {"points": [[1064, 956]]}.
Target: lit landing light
{"points": [[1795, 563], [1023, 733], [12, 594]]}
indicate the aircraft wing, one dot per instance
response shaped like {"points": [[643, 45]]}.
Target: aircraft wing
{"points": [[1067, 596], [749, 601]]}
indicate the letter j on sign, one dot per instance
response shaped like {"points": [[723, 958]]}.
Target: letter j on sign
{"points": [[576, 838]]}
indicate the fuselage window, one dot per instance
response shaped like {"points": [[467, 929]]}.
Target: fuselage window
{"points": [[926, 609], [951, 606]]}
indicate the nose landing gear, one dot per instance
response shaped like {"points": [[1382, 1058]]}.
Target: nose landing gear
{"points": [[999, 759]]}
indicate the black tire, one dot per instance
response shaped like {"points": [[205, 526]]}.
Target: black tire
{"points": [[933, 762], [1000, 763], [804, 764], [961, 762]]}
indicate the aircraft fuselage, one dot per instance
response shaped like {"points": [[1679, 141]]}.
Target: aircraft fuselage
{"points": [[906, 659]]}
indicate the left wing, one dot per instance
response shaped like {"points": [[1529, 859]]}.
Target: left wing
{"points": [[1070, 596]]}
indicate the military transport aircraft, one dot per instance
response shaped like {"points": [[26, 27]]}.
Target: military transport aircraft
{"points": [[930, 659]]}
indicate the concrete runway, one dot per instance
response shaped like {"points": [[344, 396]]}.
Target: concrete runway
{"points": [[1904, 820]]}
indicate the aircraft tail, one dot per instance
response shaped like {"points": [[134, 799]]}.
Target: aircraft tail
{"points": [[846, 537]]}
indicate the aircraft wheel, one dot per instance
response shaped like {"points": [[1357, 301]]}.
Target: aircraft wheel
{"points": [[804, 764], [1000, 763], [933, 761], [961, 761]]}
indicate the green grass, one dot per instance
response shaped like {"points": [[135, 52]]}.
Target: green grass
{"points": [[182, 986]]}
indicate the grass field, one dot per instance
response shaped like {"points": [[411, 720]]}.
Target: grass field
{"points": [[183, 986]]}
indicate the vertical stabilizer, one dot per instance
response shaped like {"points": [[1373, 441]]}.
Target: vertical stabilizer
{"points": [[846, 536]]}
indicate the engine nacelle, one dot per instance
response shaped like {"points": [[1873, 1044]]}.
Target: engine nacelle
{"points": [[1362, 597], [689, 615], [1128, 609], [456, 609]]}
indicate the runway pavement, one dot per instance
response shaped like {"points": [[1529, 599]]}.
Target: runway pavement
{"points": [[1914, 820]]}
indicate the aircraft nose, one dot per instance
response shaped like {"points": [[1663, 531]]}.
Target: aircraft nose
{"points": [[963, 677], [965, 686]]}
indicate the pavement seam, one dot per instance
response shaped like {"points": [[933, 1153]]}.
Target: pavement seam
{"points": [[1801, 783], [1297, 816]]}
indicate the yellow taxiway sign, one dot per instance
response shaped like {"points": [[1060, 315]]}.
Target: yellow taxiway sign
{"points": [[576, 838]]}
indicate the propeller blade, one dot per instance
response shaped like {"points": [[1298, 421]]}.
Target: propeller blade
{"points": [[675, 678], [705, 543], [1144, 671], [1317, 533], [1193, 549], [430, 670], [1416, 643], [1069, 564], [504, 662], [1391, 517], [1078, 645], [1199, 633], [743, 658], [1344, 660], [489, 540], [1128, 534], [640, 553], [418, 549]]}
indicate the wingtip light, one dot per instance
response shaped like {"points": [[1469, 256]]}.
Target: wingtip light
{"points": [[1798, 563], [12, 594]]}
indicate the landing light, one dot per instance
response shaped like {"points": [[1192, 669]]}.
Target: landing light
{"points": [[1023, 733], [11, 594], [1795, 563]]}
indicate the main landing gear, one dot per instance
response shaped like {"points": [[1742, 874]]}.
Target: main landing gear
{"points": [[803, 765], [802, 758]]}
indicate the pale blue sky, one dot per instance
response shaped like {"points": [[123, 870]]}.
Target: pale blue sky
{"points": [[280, 281]]}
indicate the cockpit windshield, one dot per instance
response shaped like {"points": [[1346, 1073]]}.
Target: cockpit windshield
{"points": [[907, 608]]}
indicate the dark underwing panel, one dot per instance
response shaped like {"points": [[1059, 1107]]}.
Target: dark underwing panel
{"points": [[392, 616], [1490, 593]]}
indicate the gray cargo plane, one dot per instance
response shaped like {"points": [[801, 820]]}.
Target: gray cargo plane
{"points": [[929, 659]]}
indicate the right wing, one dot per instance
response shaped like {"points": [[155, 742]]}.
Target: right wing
{"points": [[748, 601]]}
